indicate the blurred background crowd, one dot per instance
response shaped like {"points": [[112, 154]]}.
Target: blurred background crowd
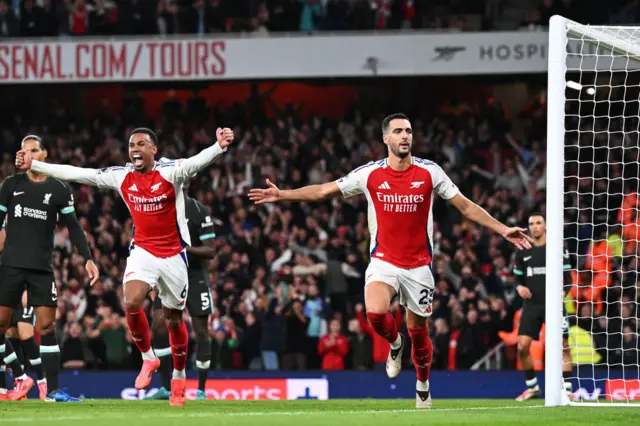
{"points": [[48, 18], [287, 279]]}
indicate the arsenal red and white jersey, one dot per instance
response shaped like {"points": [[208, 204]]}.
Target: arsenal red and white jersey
{"points": [[155, 198], [400, 208], [156, 202]]}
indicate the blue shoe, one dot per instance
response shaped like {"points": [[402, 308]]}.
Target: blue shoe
{"points": [[160, 394], [201, 396], [61, 396]]}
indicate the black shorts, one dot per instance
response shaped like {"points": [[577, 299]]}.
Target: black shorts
{"points": [[23, 314], [40, 286], [199, 301], [532, 318]]}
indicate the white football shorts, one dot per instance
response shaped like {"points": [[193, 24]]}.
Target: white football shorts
{"points": [[168, 274], [415, 287]]}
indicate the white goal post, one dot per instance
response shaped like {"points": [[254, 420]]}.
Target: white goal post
{"points": [[593, 129]]}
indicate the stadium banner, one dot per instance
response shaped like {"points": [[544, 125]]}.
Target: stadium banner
{"points": [[318, 385], [210, 58]]}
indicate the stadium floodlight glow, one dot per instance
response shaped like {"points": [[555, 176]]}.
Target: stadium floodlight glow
{"points": [[592, 148]]}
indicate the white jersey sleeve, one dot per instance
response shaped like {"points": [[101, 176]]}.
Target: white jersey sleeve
{"points": [[110, 177], [178, 171], [443, 186], [355, 183]]}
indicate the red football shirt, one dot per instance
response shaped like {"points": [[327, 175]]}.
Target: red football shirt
{"points": [[400, 208]]}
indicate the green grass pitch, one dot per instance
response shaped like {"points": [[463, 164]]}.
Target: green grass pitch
{"points": [[309, 413]]}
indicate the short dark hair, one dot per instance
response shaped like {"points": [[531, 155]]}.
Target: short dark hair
{"points": [[388, 118], [537, 214], [34, 138], [146, 131]]}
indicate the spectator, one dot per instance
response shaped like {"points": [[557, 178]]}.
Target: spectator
{"points": [[314, 311], [9, 23], [251, 343], [274, 335], [294, 357], [360, 347], [310, 15], [440, 345], [333, 348], [72, 353], [116, 338], [79, 18], [31, 17], [222, 350]]}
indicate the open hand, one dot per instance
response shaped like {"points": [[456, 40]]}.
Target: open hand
{"points": [[517, 237], [269, 195], [224, 137]]}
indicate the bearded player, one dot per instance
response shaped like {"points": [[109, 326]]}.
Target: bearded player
{"points": [[400, 192], [530, 271], [153, 193]]}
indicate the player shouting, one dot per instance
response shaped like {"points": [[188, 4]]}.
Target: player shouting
{"points": [[399, 190], [32, 202], [153, 193]]}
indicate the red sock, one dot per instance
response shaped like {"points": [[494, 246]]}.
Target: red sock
{"points": [[384, 325], [179, 339], [139, 328], [421, 351]]}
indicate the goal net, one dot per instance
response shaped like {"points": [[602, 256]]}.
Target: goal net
{"points": [[593, 220]]}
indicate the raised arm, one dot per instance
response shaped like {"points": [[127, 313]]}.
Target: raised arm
{"points": [[189, 167]]}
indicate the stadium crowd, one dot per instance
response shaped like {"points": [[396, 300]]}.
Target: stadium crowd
{"points": [[287, 279], [49, 18], [294, 267]]}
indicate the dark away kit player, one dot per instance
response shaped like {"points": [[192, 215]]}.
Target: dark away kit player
{"points": [[152, 190], [530, 271], [32, 203], [199, 301], [399, 191]]}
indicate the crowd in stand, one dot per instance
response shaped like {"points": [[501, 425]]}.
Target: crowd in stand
{"points": [[287, 279], [49, 18]]}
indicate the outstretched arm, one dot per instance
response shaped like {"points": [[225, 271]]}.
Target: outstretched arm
{"points": [[306, 193], [67, 173], [312, 192], [479, 215], [352, 184]]}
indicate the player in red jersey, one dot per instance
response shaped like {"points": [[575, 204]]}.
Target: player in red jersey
{"points": [[152, 190], [399, 191]]}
